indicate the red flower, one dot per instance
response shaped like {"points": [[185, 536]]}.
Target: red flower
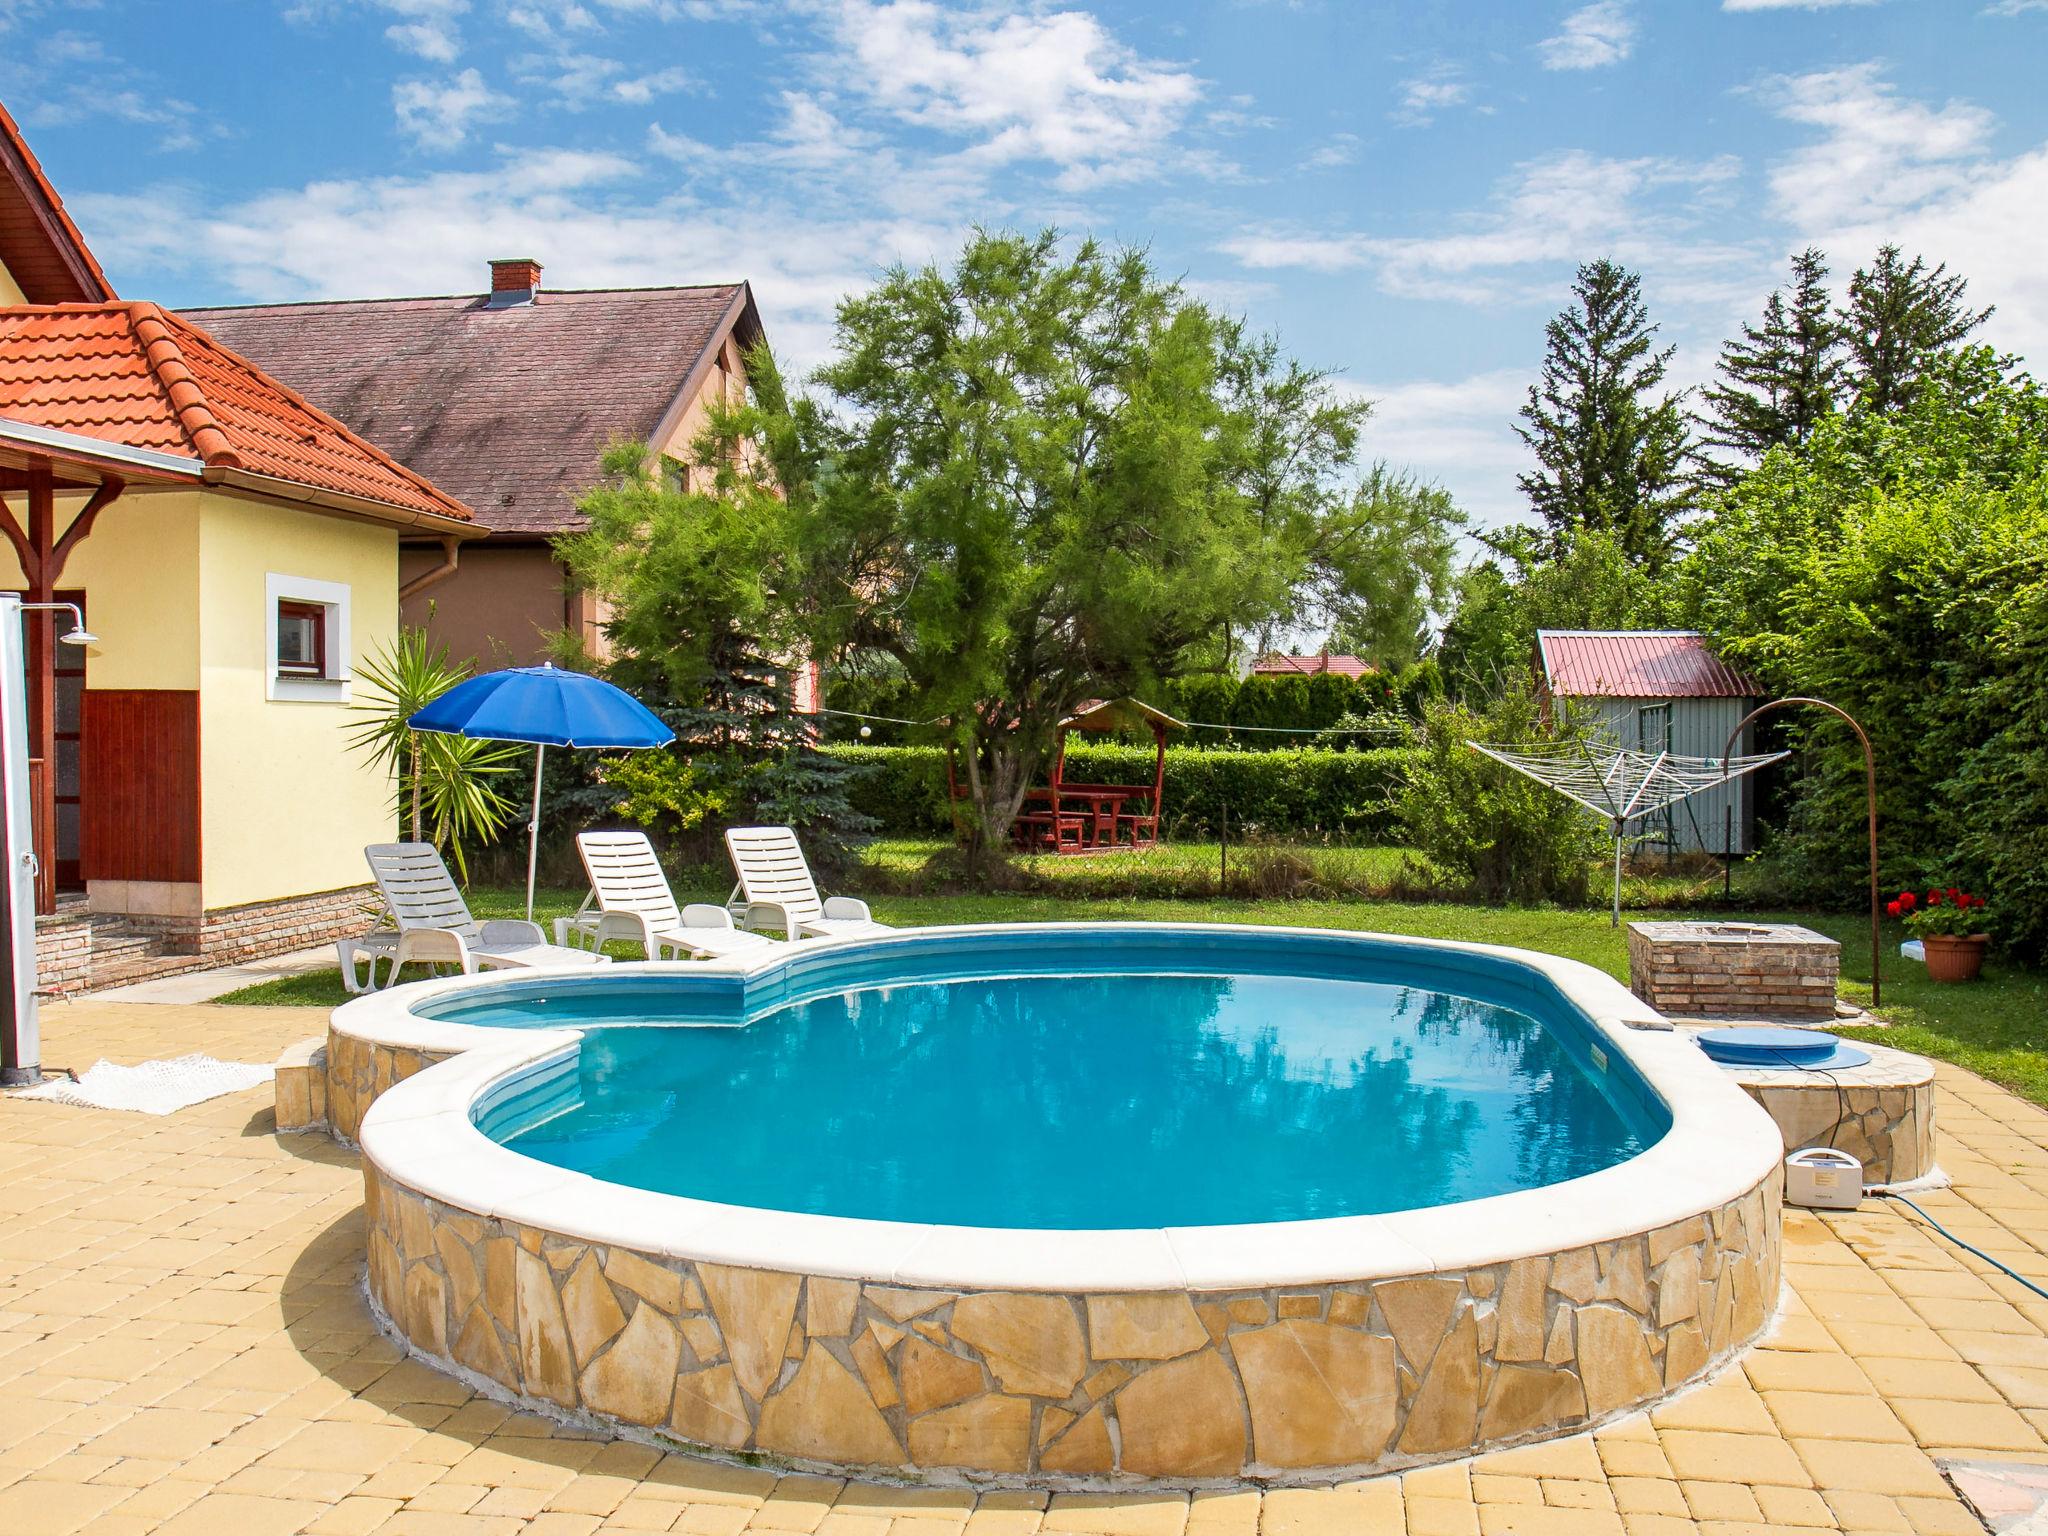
{"points": [[1976, 901], [1955, 895], [1934, 898], [1893, 907], [1908, 901]]}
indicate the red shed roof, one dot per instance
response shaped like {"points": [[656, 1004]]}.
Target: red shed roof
{"points": [[508, 407], [1308, 666], [134, 374], [1638, 664], [39, 245]]}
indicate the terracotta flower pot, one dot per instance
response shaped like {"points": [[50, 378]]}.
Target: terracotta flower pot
{"points": [[1953, 956]]}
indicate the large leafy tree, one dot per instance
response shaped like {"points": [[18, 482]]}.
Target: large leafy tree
{"points": [[1612, 449], [1900, 317], [1052, 476], [1781, 376]]}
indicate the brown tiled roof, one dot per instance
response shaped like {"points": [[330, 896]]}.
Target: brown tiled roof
{"points": [[134, 374], [508, 408], [1638, 664], [1277, 665], [39, 245]]}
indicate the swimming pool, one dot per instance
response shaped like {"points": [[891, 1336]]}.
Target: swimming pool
{"points": [[1255, 1081], [1089, 1204]]}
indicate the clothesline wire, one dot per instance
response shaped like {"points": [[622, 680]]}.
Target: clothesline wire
{"points": [[1196, 725]]}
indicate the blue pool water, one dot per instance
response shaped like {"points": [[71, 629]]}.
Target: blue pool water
{"points": [[1163, 1081]]}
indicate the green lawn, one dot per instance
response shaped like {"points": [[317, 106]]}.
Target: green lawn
{"points": [[1997, 1026]]}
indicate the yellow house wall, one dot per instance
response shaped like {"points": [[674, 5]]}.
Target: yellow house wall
{"points": [[286, 806], [139, 569], [10, 290]]}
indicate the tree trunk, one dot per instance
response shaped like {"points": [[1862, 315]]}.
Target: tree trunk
{"points": [[996, 791]]}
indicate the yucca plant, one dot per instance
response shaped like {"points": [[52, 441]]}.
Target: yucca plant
{"points": [[445, 792]]}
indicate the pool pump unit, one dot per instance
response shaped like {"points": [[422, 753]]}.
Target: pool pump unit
{"points": [[1823, 1179]]}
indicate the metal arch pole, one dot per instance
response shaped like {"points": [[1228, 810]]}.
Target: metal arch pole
{"points": [[1870, 797]]}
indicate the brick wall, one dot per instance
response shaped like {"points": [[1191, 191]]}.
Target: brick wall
{"points": [[230, 935], [63, 954], [1734, 970]]}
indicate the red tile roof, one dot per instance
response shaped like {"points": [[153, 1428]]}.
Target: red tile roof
{"points": [[39, 245], [1638, 664], [132, 373], [1286, 666], [509, 408]]}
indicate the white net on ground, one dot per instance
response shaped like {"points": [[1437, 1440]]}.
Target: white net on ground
{"points": [[1619, 784], [154, 1087]]}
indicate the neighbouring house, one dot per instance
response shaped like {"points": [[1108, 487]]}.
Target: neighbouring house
{"points": [[1277, 665], [1663, 690], [236, 552], [507, 399]]}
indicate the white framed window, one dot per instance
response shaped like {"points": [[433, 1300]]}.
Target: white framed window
{"points": [[305, 639]]}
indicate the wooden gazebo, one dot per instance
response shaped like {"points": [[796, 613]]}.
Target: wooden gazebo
{"points": [[1073, 817]]}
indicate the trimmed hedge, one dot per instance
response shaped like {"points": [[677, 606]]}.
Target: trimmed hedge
{"points": [[1290, 791]]}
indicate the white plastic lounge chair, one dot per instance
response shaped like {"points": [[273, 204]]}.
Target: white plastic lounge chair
{"points": [[776, 889], [434, 925], [629, 899], [363, 953]]}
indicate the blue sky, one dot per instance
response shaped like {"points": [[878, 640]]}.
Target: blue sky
{"points": [[1399, 188]]}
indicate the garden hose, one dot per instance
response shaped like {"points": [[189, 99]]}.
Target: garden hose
{"points": [[2003, 1268]]}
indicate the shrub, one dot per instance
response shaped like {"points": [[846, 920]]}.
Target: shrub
{"points": [[1285, 791], [1505, 836]]}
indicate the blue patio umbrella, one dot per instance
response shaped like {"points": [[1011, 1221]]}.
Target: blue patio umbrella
{"points": [[549, 707]]}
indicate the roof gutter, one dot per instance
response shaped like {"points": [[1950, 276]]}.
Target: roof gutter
{"points": [[78, 447], [340, 501]]}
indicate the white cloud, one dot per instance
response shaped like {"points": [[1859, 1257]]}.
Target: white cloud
{"points": [[1562, 209], [1878, 151], [439, 114], [1050, 87], [585, 216], [1794, 5], [1339, 149], [1592, 37], [1457, 432], [1885, 167], [429, 29], [2014, 7], [580, 80], [1434, 90]]}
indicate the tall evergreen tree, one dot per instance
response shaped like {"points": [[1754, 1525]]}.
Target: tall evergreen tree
{"points": [[1612, 453], [1900, 317], [1780, 377]]}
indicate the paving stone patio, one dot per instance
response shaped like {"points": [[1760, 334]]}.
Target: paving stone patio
{"points": [[185, 1348]]}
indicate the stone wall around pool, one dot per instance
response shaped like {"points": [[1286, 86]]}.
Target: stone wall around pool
{"points": [[358, 1072], [1281, 1384]]}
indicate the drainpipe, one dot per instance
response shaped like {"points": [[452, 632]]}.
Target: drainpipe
{"points": [[450, 545]]}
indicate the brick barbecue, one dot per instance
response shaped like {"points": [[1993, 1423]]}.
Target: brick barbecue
{"points": [[1734, 970]]}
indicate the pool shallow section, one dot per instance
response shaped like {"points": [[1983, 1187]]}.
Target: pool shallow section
{"points": [[1477, 1274]]}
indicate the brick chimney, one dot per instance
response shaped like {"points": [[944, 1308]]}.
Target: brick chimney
{"points": [[514, 280]]}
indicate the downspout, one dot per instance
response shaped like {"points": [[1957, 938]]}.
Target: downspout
{"points": [[450, 547]]}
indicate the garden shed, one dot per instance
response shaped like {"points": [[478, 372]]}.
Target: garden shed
{"points": [[1662, 690]]}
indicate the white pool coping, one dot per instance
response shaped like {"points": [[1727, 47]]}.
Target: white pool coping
{"points": [[420, 1135]]}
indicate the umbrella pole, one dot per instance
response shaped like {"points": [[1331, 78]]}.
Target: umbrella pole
{"points": [[533, 829]]}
